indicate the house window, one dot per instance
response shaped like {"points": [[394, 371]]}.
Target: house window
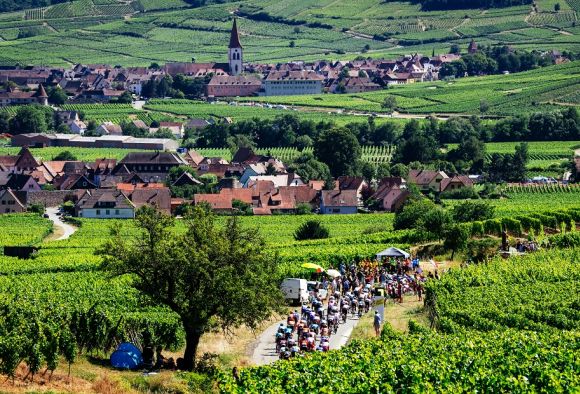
{"points": [[117, 212], [107, 212], [3, 202], [98, 211], [84, 184], [335, 210]]}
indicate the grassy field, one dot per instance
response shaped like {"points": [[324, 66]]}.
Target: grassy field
{"points": [[537, 90], [143, 31]]}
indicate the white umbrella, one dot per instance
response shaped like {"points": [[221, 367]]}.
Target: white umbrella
{"points": [[333, 273]]}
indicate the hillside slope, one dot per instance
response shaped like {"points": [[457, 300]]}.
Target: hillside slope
{"points": [[138, 32]]}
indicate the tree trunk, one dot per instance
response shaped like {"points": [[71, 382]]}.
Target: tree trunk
{"points": [[192, 337]]}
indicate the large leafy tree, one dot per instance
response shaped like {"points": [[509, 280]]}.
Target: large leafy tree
{"points": [[209, 275], [340, 150], [31, 119]]}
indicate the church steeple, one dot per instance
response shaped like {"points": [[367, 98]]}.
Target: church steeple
{"points": [[234, 36], [235, 51]]}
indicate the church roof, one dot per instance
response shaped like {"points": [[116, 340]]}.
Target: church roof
{"points": [[235, 37]]}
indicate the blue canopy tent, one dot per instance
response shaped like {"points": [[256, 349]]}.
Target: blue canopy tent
{"points": [[127, 356], [392, 252]]}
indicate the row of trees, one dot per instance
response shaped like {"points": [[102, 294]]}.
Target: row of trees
{"points": [[178, 87], [494, 60], [14, 5]]}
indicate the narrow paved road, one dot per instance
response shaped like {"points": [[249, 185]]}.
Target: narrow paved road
{"points": [[67, 229], [265, 350]]}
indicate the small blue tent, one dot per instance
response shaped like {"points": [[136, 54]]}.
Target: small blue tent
{"points": [[127, 356]]}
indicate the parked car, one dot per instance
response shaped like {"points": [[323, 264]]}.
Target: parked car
{"points": [[295, 290]]}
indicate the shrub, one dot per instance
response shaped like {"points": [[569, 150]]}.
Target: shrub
{"points": [[480, 250], [36, 208], [311, 229], [473, 210], [303, 209]]}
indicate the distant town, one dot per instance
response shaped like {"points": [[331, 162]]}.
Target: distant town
{"points": [[105, 83]]}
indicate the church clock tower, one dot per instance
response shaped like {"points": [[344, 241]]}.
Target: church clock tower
{"points": [[235, 51]]}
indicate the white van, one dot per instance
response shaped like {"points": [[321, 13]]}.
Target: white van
{"points": [[295, 290]]}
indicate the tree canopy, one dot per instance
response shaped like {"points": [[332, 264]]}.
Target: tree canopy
{"points": [[210, 275], [340, 150]]}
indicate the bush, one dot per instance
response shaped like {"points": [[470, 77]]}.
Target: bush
{"points": [[65, 156], [303, 209], [311, 229], [481, 250], [36, 208], [469, 211]]}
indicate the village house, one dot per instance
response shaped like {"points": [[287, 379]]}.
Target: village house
{"points": [[104, 204], [109, 128], [222, 202], [233, 86], [18, 182], [427, 180], [21, 163], [176, 128], [290, 179], [19, 97], [391, 194], [356, 183], [150, 166], [456, 182], [339, 202], [10, 203], [289, 83], [358, 85], [271, 167], [160, 198]]}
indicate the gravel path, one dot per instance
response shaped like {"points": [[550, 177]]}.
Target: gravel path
{"points": [[68, 230]]}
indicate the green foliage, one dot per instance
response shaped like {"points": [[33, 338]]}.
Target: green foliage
{"points": [[311, 229], [456, 237], [36, 208], [412, 213], [340, 150], [470, 211], [65, 155], [31, 119], [193, 273]]}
